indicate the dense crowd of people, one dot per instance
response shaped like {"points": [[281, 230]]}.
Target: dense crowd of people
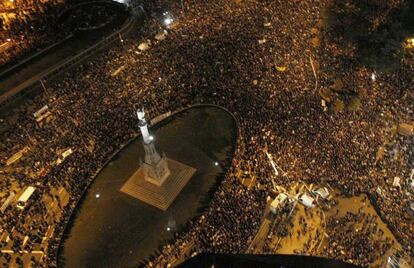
{"points": [[31, 25], [257, 60], [27, 26], [354, 236]]}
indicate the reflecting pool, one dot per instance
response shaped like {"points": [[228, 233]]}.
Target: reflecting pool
{"points": [[112, 229]]}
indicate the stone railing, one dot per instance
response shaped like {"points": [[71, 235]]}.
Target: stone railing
{"points": [[18, 64]]}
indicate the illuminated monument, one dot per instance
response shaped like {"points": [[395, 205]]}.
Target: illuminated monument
{"points": [[155, 167], [158, 180]]}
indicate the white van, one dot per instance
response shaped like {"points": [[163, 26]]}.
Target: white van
{"points": [[21, 202]]}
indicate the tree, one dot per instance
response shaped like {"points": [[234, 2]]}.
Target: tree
{"points": [[377, 29]]}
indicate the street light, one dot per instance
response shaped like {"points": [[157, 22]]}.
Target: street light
{"points": [[167, 18], [168, 21]]}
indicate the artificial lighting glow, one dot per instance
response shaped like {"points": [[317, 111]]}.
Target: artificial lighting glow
{"points": [[168, 229], [97, 195], [216, 163], [410, 43], [151, 138], [373, 77], [168, 21], [8, 39]]}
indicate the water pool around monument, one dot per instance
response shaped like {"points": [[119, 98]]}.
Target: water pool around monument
{"points": [[116, 230]]}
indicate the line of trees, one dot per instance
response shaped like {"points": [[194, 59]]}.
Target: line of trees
{"points": [[376, 29]]}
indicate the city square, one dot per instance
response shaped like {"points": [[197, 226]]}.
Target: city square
{"points": [[149, 133]]}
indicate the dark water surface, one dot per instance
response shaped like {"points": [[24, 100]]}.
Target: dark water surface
{"points": [[116, 230]]}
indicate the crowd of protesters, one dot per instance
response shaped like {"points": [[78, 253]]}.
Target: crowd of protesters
{"points": [[31, 25], [257, 60], [27, 26], [354, 236]]}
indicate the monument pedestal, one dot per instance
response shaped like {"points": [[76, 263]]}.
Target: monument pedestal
{"points": [[160, 196]]}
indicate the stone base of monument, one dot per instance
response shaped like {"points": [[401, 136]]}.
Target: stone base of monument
{"points": [[159, 196]]}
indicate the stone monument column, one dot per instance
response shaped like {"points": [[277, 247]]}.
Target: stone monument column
{"points": [[158, 180], [155, 167]]}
